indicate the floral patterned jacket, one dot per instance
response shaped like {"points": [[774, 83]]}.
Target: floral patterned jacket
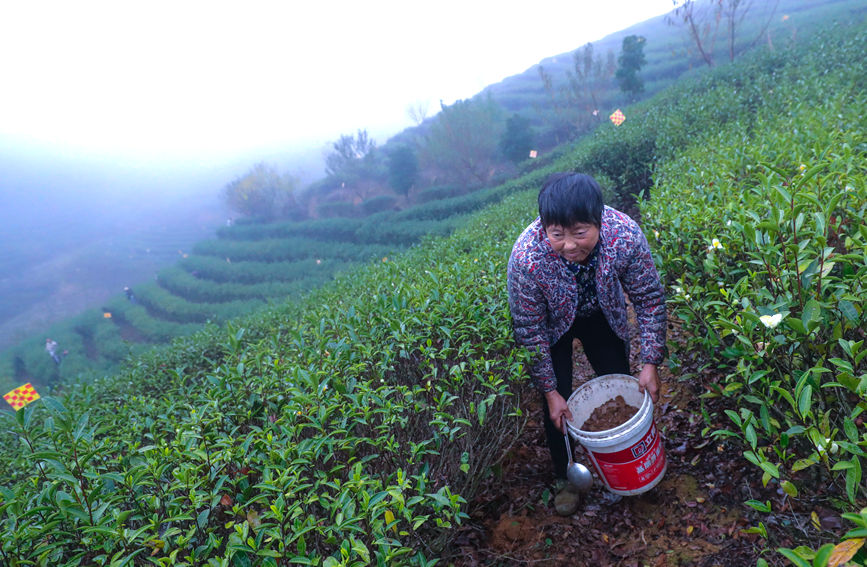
{"points": [[542, 292]]}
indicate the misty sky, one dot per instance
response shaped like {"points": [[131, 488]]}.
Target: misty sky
{"points": [[199, 83], [121, 121]]}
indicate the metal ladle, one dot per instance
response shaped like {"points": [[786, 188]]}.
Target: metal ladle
{"points": [[576, 473]]}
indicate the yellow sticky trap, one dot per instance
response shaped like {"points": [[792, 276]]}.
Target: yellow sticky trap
{"points": [[21, 396]]}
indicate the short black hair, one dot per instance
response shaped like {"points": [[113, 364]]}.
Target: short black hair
{"points": [[570, 198]]}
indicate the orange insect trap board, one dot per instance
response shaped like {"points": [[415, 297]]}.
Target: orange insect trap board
{"points": [[617, 117], [21, 396]]}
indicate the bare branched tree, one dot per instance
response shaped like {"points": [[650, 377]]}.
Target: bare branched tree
{"points": [[703, 20], [734, 13], [417, 111], [576, 104]]}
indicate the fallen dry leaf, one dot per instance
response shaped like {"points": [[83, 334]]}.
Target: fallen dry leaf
{"points": [[844, 551]]}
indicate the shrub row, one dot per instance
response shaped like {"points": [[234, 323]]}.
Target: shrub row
{"points": [[161, 304], [151, 329], [288, 249], [181, 284], [322, 229], [438, 192], [218, 270]]}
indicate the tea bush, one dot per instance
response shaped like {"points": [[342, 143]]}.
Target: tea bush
{"points": [[332, 209], [320, 229], [349, 431], [168, 307], [438, 192], [760, 227], [183, 285], [153, 330], [288, 249], [217, 270], [378, 204]]}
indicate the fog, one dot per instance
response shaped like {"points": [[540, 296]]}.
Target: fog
{"points": [[75, 229], [76, 226]]}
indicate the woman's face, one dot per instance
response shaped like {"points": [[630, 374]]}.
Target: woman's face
{"points": [[574, 243]]}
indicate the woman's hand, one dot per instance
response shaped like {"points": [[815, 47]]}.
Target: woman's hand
{"points": [[557, 408], [648, 379]]}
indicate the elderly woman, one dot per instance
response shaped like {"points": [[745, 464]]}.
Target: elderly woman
{"points": [[566, 278]]}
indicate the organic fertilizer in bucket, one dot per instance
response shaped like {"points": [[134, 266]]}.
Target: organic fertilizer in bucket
{"points": [[629, 457]]}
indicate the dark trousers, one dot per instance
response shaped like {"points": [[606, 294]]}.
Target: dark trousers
{"points": [[606, 353]]}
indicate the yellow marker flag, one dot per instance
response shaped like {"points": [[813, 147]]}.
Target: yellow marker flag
{"points": [[21, 396]]}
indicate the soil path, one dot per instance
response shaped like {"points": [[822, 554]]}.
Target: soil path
{"points": [[695, 516]]}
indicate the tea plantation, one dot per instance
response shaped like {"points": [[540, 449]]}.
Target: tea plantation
{"points": [[247, 267], [352, 427]]}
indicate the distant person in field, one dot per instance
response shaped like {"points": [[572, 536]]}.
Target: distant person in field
{"points": [[129, 294], [51, 349], [569, 275]]}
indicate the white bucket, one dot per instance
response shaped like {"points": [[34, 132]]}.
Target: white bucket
{"points": [[630, 458]]}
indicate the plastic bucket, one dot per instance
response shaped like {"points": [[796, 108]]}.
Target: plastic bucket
{"points": [[630, 458]]}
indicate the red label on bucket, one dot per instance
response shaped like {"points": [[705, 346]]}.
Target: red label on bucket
{"points": [[635, 466]]}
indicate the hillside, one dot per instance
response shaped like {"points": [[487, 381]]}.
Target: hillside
{"points": [[368, 422], [670, 54], [249, 266]]}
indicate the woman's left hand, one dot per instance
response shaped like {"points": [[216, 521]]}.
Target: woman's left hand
{"points": [[649, 379]]}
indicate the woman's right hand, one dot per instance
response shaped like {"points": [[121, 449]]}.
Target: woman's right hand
{"points": [[557, 408]]}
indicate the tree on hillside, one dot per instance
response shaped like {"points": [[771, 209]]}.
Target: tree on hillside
{"points": [[517, 140], [576, 103], [347, 152], [462, 143], [702, 21], [262, 193], [631, 60], [417, 111], [402, 169], [355, 165]]}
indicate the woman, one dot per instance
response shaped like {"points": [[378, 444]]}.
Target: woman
{"points": [[567, 276]]}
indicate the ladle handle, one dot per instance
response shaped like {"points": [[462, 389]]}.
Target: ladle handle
{"points": [[568, 446]]}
